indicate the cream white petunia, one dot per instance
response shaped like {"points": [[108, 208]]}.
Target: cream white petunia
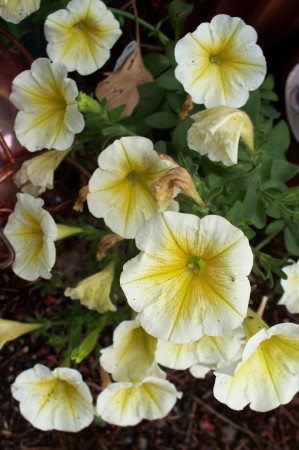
{"points": [[220, 62], [267, 376], [49, 116], [54, 400], [190, 277], [81, 35], [10, 329], [132, 354], [119, 191], [32, 231], [127, 403], [94, 291], [290, 286], [16, 10], [209, 351], [36, 175], [216, 132]]}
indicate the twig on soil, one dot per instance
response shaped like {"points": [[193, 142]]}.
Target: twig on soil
{"points": [[253, 436]]}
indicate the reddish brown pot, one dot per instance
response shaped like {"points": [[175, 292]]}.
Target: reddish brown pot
{"points": [[12, 154]]}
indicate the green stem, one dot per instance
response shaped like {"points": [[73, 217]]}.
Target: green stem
{"points": [[161, 36]]}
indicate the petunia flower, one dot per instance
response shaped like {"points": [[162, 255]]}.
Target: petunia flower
{"points": [[268, 374], [36, 175], [11, 329], [48, 116], [54, 400], [189, 279], [132, 353], [94, 291], [16, 10], [216, 132], [220, 62], [32, 231], [127, 403], [209, 352], [290, 286], [119, 191], [81, 35]]}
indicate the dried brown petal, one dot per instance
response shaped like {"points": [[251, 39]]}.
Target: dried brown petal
{"points": [[82, 196], [106, 243], [120, 87]]}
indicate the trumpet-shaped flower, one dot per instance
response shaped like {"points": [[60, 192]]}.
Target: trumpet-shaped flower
{"points": [[16, 10], [220, 62], [57, 400], [48, 116], [132, 354], [290, 286], [81, 35], [32, 232], [216, 132], [37, 174], [127, 403], [10, 329], [119, 191], [189, 278], [209, 352], [267, 376], [94, 291]]}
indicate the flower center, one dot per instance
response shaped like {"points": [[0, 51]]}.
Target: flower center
{"points": [[215, 59], [79, 26], [133, 177], [195, 264]]}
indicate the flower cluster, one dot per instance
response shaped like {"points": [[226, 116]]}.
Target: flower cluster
{"points": [[175, 274]]}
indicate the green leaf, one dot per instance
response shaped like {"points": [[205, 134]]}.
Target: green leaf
{"points": [[274, 227], [283, 170], [86, 346], [116, 113], [269, 95], [259, 217], [151, 96], [252, 106], [178, 13], [268, 83], [291, 240], [168, 81], [279, 140], [156, 63], [179, 135], [268, 111], [161, 120]]}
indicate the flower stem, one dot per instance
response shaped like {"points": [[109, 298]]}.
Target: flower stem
{"points": [[161, 36]]}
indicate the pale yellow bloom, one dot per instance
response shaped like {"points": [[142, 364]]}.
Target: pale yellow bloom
{"points": [[127, 403], [290, 286], [16, 10], [216, 132], [189, 278], [10, 330], [209, 352], [81, 35], [119, 191], [37, 174], [49, 116], [94, 291], [132, 354], [219, 63], [54, 400], [267, 376], [32, 231]]}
